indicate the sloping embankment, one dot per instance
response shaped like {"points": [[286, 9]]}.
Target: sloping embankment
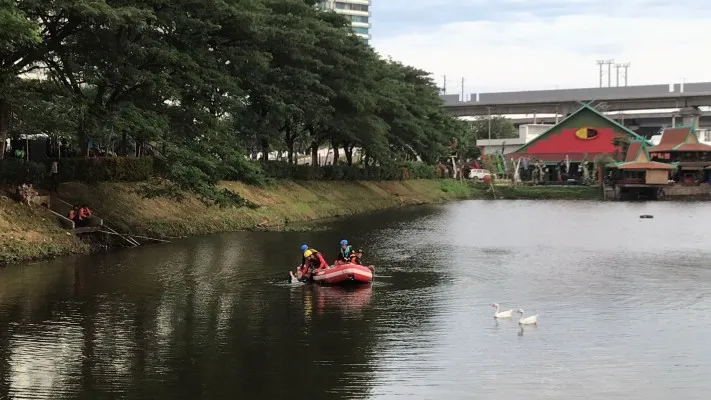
{"points": [[33, 233], [124, 208], [28, 233]]}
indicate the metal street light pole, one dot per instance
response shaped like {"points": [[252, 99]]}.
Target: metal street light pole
{"points": [[489, 108], [600, 63], [609, 72]]}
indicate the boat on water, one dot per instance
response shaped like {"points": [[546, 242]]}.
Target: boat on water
{"points": [[344, 274]]}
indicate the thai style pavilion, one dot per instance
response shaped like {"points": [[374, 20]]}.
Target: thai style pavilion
{"points": [[638, 169], [681, 146], [678, 166]]}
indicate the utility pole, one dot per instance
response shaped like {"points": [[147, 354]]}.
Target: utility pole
{"points": [[444, 88], [609, 72], [602, 63], [463, 90], [617, 67], [625, 66], [489, 109]]}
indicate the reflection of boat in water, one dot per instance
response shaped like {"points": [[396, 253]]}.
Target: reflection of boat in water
{"points": [[345, 299], [344, 274]]}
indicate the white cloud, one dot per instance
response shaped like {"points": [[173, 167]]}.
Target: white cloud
{"points": [[531, 52]]}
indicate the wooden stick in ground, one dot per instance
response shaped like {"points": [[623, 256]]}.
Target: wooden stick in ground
{"points": [[150, 238], [133, 242], [136, 236]]}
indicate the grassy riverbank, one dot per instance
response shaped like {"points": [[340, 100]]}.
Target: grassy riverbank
{"points": [[280, 204], [284, 203], [33, 233], [30, 233]]}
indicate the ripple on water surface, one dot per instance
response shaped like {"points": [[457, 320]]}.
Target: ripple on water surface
{"points": [[624, 311]]}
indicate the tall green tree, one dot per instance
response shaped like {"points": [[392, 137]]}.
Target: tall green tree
{"points": [[110, 70], [202, 81], [346, 69], [19, 39], [288, 97], [496, 127]]}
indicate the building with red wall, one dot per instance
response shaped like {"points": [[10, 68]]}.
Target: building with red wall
{"points": [[583, 135]]}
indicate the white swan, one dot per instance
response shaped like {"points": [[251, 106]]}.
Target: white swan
{"points": [[532, 320], [502, 314]]}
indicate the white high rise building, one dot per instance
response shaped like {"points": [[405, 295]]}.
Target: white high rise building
{"points": [[358, 11]]}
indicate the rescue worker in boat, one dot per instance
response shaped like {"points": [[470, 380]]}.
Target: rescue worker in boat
{"points": [[304, 247], [357, 257], [314, 262], [302, 266], [344, 255]]}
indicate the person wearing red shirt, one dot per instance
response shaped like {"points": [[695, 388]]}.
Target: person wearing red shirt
{"points": [[314, 262]]}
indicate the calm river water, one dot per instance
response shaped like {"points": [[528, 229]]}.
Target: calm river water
{"points": [[624, 304]]}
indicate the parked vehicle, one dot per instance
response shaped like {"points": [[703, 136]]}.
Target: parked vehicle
{"points": [[478, 174]]}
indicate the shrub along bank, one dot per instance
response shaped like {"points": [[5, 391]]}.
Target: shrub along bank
{"points": [[284, 170], [136, 169], [96, 169]]}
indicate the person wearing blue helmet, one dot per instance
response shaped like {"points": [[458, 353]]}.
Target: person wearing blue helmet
{"points": [[344, 255], [303, 248]]}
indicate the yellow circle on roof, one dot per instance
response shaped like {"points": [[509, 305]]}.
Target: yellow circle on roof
{"points": [[586, 133]]}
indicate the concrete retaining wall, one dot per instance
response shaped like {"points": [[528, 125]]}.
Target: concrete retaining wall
{"points": [[682, 190]]}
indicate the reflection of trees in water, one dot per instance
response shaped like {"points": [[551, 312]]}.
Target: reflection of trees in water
{"points": [[273, 352], [41, 360], [192, 322], [34, 353]]}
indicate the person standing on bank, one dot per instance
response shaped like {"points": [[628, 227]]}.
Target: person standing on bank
{"points": [[54, 174]]}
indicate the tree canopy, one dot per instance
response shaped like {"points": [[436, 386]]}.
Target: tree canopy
{"points": [[206, 82], [500, 128], [496, 127]]}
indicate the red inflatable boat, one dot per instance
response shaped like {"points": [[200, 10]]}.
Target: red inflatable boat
{"points": [[344, 274]]}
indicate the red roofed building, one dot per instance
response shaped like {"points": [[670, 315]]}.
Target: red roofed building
{"points": [[681, 146], [639, 169], [638, 176], [582, 136]]}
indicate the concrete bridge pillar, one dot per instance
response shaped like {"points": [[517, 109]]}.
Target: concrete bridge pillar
{"points": [[690, 116]]}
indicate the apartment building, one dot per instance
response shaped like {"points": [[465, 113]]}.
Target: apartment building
{"points": [[358, 11]]}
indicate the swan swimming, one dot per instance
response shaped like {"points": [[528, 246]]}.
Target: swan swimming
{"points": [[532, 320], [502, 314]]}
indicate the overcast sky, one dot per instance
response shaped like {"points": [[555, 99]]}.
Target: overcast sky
{"points": [[500, 45]]}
